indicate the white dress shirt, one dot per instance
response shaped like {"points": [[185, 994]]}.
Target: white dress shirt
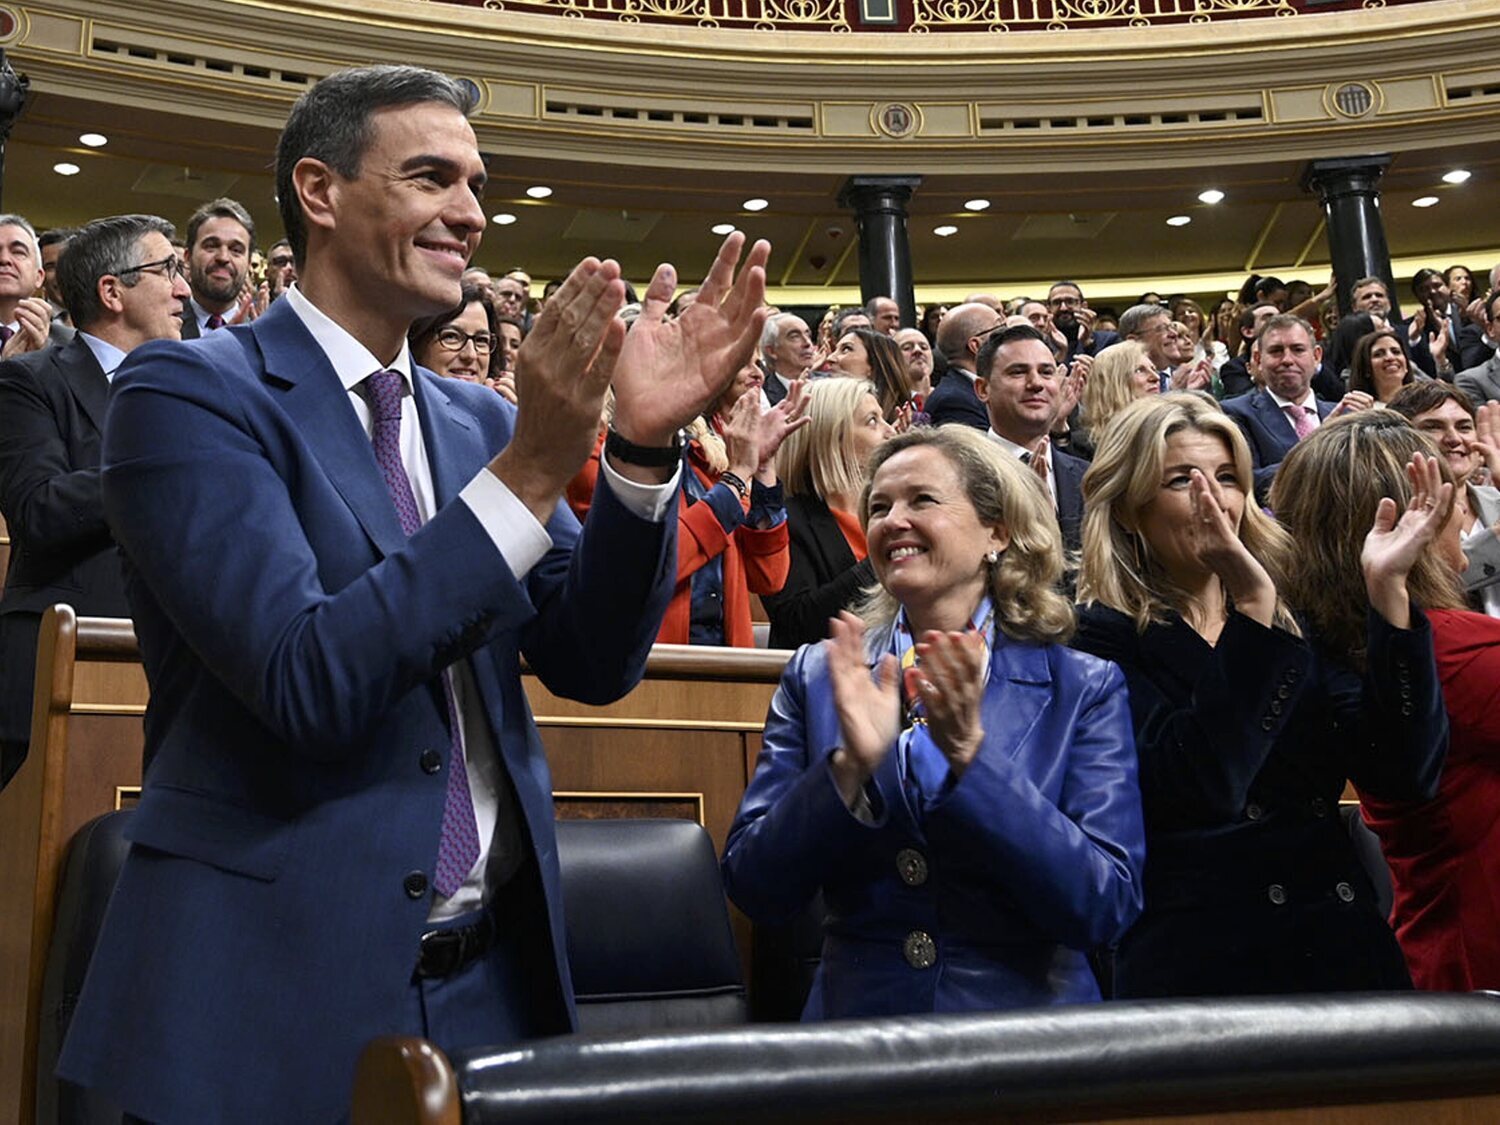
{"points": [[517, 535], [1017, 451]]}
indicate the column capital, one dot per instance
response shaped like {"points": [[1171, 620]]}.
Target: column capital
{"points": [[869, 193], [1343, 175]]}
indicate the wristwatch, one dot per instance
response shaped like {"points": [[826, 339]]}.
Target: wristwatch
{"points": [[646, 456]]}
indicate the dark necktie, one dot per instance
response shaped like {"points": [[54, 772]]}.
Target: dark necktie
{"points": [[6, 332], [458, 846], [216, 321]]}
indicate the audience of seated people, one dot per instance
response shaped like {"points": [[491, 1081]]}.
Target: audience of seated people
{"points": [[954, 770]]}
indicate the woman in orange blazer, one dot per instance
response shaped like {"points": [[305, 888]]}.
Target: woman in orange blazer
{"points": [[731, 520]]}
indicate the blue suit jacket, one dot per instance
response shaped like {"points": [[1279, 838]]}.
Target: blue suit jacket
{"points": [[261, 930], [1269, 432], [1032, 857]]}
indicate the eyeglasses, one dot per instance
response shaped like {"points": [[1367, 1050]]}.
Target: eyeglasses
{"points": [[169, 268], [454, 339], [281, 261]]}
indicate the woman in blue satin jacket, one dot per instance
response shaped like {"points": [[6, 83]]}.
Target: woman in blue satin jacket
{"points": [[960, 786]]}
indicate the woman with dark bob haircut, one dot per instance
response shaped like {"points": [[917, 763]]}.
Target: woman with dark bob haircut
{"points": [[458, 343], [959, 785], [1443, 852], [1247, 724]]}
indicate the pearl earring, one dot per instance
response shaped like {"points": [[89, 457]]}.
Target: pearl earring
{"points": [[992, 558]]}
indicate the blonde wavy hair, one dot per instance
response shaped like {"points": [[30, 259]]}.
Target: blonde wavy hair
{"points": [[1326, 492], [1119, 569], [1109, 388], [819, 459], [1023, 583]]}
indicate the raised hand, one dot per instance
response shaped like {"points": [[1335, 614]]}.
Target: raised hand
{"points": [[949, 680], [1351, 403], [786, 417], [1072, 391], [1487, 437], [1394, 545], [742, 435], [34, 321], [670, 371], [1217, 541], [562, 372], [869, 708]]}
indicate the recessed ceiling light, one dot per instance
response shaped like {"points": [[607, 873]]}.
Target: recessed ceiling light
{"points": [[66, 169], [93, 140], [1425, 201], [1179, 220], [945, 231], [1212, 195], [539, 192], [723, 228], [977, 205], [1457, 176], [756, 204], [505, 218]]}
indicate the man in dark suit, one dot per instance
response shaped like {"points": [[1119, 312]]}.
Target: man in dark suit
{"points": [[1284, 411], [26, 323], [220, 238], [123, 286], [1020, 385], [1481, 380], [1075, 320], [336, 561], [959, 338], [787, 353]]}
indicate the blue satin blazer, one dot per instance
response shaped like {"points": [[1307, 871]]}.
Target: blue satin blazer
{"points": [[988, 895]]}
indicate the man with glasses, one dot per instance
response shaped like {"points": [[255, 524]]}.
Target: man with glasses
{"points": [[281, 268], [124, 286], [1072, 316]]}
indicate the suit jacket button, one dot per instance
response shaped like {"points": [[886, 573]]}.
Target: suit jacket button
{"points": [[911, 865], [1283, 692], [415, 885], [1253, 811], [919, 950], [1345, 892], [430, 761], [1489, 570], [1277, 894], [1275, 706], [1268, 723]]}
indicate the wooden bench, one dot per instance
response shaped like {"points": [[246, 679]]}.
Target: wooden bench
{"points": [[682, 745]]}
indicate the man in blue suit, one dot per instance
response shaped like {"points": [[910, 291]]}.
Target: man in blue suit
{"points": [[1284, 411], [336, 561]]}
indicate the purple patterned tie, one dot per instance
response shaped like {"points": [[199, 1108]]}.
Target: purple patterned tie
{"points": [[458, 847], [214, 321], [6, 332]]}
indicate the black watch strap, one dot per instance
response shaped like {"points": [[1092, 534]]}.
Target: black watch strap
{"points": [[646, 456]]}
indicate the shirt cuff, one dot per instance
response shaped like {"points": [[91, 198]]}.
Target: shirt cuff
{"points": [[650, 502], [517, 535]]}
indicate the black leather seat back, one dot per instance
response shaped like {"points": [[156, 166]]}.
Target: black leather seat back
{"points": [[95, 855], [648, 927]]}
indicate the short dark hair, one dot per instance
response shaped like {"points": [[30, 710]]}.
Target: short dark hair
{"points": [[1281, 322], [844, 317], [998, 339], [1362, 282], [1426, 395], [221, 208], [54, 236], [105, 246], [1420, 279], [1060, 284], [331, 122], [425, 329], [1361, 364]]}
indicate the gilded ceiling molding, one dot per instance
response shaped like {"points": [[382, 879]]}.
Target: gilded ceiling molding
{"points": [[1232, 92]]}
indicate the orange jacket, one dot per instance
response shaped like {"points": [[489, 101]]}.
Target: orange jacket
{"points": [[754, 560]]}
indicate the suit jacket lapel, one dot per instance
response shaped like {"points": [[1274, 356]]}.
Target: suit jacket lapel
{"points": [[1275, 420], [317, 403], [447, 432], [85, 380], [1018, 692]]}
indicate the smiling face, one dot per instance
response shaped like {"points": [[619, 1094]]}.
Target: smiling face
{"points": [[20, 269], [851, 357], [1388, 367], [1020, 392], [151, 308], [1452, 427], [887, 315], [392, 243], [927, 545], [467, 362], [218, 262], [1371, 298], [510, 343], [1166, 521], [918, 353], [747, 377]]}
